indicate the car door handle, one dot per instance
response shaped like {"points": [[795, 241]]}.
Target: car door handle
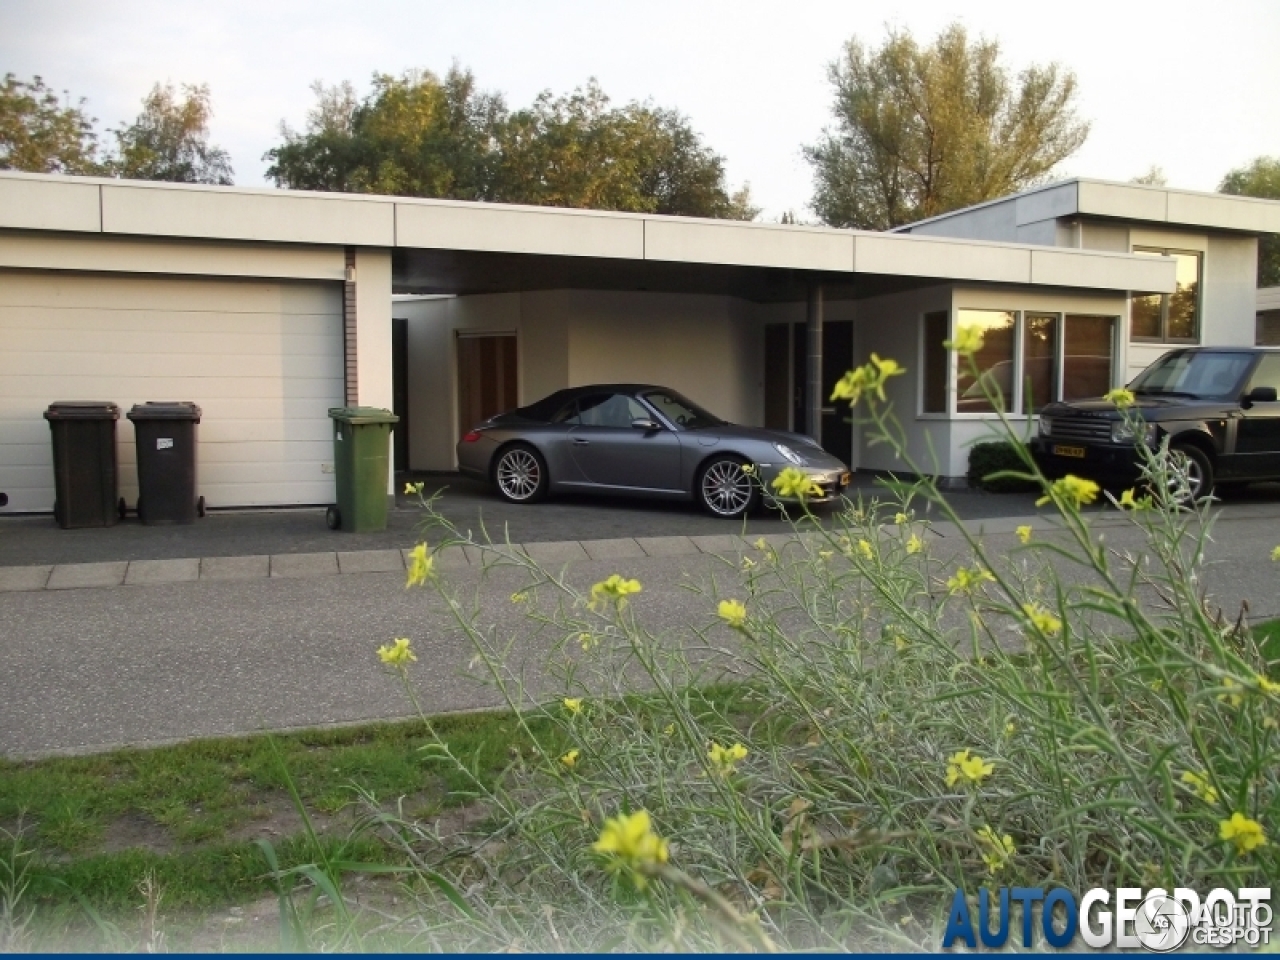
{"points": [[579, 442]]}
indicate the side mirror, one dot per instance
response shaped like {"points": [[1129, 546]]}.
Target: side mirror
{"points": [[644, 423], [1261, 395]]}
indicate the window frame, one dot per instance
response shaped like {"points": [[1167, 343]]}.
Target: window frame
{"points": [[1165, 298]]}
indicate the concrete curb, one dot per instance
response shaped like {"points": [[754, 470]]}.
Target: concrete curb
{"points": [[145, 573]]}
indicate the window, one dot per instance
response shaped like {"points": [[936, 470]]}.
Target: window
{"points": [[935, 362], [1039, 361], [1169, 317], [602, 410], [1268, 330], [1203, 376], [994, 362], [1088, 344]]}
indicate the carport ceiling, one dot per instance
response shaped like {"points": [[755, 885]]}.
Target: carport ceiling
{"points": [[469, 272]]}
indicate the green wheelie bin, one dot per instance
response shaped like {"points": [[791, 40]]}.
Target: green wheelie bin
{"points": [[361, 464]]}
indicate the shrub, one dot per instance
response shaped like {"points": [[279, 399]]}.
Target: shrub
{"points": [[994, 457]]}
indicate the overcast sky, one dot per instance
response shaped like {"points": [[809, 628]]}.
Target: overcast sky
{"points": [[1189, 86]]}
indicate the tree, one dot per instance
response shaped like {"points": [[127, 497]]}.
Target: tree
{"points": [[1154, 177], [419, 135], [1261, 178], [920, 131], [170, 140], [41, 133]]}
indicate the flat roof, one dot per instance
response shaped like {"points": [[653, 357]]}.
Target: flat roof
{"points": [[1080, 196], [450, 246]]}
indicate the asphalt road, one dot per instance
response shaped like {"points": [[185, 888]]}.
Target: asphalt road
{"points": [[94, 668]]}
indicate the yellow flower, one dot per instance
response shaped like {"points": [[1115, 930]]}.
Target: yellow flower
{"points": [[878, 371], [914, 544], [588, 641], [630, 842], [1120, 397], [1024, 533], [519, 597], [1128, 501], [414, 487], [397, 654], [967, 767], [1010, 729], [421, 566], [864, 548], [900, 643], [1200, 786], [825, 555], [1071, 491], [901, 518], [747, 563], [1042, 619], [734, 613], [1267, 685], [793, 483], [968, 339], [1246, 834], [570, 759], [749, 469], [615, 590], [669, 730], [996, 849], [851, 386], [762, 546], [966, 580], [725, 759], [573, 705], [1275, 554], [1233, 697]]}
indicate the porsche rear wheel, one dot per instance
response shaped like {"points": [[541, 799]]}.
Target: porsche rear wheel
{"points": [[521, 474]]}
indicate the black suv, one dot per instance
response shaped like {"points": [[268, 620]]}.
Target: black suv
{"points": [[1216, 405]]}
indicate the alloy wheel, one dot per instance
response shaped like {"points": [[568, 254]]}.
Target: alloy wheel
{"points": [[726, 488], [519, 474]]}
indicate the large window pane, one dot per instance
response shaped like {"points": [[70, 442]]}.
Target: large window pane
{"points": [[1145, 316], [935, 362], [994, 361], [1086, 363], [1040, 347], [1184, 301]]}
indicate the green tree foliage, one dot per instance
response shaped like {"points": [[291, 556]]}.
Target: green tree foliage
{"points": [[170, 140], [43, 133], [922, 130], [1261, 178], [420, 135]]}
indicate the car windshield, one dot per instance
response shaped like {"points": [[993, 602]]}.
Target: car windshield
{"points": [[680, 411], [1188, 374]]}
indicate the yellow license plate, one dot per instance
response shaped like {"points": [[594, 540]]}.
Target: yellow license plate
{"points": [[1069, 451], [844, 479]]}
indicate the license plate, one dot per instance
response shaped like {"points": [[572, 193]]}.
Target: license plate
{"points": [[844, 479], [1069, 451]]}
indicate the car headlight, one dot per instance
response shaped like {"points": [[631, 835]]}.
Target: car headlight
{"points": [[1122, 431], [1046, 426], [788, 454]]}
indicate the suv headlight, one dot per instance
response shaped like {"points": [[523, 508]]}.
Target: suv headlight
{"points": [[1046, 426], [1122, 431], [788, 454]]}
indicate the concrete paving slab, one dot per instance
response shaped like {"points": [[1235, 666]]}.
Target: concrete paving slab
{"points": [[147, 572], [455, 557], [719, 543], [371, 561], [72, 576], [235, 568], [614, 549], [667, 546], [13, 579], [298, 565], [557, 552]]}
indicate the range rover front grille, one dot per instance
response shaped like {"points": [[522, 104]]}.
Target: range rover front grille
{"points": [[1082, 429]]}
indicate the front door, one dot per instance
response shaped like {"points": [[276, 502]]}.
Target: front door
{"points": [[785, 352], [486, 377], [1258, 433]]}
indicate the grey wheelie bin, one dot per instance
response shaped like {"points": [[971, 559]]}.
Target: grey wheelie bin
{"points": [[86, 469], [166, 440], [361, 442]]}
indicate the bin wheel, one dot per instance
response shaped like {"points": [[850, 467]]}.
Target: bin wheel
{"points": [[333, 518], [122, 509], [200, 510]]}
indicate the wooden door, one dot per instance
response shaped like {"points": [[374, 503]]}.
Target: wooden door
{"points": [[486, 377]]}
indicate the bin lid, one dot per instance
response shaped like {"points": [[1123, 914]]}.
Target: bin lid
{"points": [[363, 415], [165, 410], [82, 410]]}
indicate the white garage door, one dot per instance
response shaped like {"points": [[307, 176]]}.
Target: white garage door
{"points": [[263, 360]]}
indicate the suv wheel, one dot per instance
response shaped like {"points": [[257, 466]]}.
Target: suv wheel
{"points": [[1199, 469]]}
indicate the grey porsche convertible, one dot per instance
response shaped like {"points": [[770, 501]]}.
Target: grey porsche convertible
{"points": [[643, 440]]}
